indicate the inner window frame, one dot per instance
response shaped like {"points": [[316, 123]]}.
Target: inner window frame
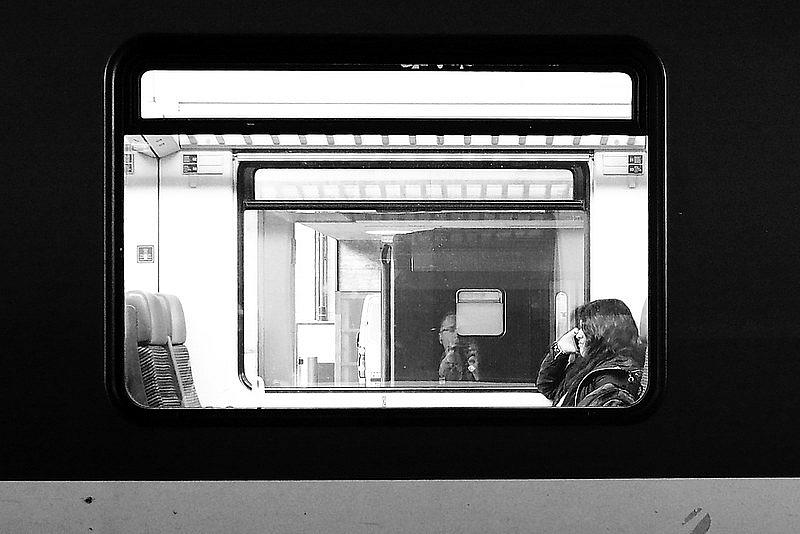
{"points": [[245, 201]]}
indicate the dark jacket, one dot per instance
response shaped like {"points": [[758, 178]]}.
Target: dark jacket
{"points": [[613, 383], [458, 356]]}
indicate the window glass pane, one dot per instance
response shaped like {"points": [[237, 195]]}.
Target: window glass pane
{"points": [[480, 312], [396, 94], [414, 184], [401, 279]]}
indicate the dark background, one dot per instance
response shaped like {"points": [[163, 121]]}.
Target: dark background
{"points": [[730, 406], [458, 259]]}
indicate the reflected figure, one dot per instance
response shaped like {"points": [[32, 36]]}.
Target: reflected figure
{"points": [[598, 363], [461, 358]]}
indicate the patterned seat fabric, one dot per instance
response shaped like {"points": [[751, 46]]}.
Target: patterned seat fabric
{"points": [[178, 351], [183, 365], [153, 323]]}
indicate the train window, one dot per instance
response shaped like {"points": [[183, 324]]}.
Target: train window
{"points": [[480, 312], [406, 92], [418, 184], [306, 263]]}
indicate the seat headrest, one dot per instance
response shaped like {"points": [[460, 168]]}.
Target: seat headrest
{"points": [[177, 319], [152, 317], [643, 322], [131, 333]]}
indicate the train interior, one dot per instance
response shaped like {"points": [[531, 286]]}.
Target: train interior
{"points": [[351, 300]]}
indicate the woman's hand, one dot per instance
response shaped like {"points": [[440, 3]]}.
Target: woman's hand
{"points": [[567, 342]]}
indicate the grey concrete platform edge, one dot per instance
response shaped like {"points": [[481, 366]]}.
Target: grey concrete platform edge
{"points": [[691, 506]]}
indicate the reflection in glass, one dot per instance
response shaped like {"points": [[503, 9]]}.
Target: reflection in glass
{"points": [[392, 277]]}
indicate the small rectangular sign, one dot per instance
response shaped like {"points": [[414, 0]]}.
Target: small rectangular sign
{"points": [[623, 164], [144, 254], [634, 169]]}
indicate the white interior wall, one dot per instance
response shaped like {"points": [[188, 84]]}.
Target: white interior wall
{"points": [[277, 294], [304, 273], [140, 226], [198, 264], [618, 239]]}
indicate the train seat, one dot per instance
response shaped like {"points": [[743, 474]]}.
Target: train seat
{"points": [[643, 328], [153, 325], [134, 384], [176, 345]]}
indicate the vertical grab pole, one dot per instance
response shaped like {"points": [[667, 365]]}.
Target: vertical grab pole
{"points": [[387, 360]]}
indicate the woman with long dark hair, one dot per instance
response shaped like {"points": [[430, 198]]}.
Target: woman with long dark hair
{"points": [[598, 363]]}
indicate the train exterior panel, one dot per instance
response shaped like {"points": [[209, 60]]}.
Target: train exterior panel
{"points": [[727, 411]]}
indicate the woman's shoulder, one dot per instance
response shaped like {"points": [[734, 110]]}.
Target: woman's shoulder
{"points": [[620, 376], [608, 395], [629, 360], [614, 383]]}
